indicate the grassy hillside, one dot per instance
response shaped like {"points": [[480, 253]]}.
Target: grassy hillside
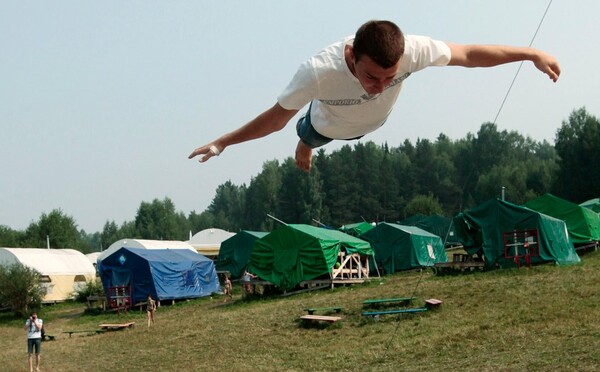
{"points": [[545, 318]]}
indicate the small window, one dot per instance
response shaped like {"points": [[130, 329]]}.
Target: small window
{"points": [[79, 278], [430, 251], [45, 279]]}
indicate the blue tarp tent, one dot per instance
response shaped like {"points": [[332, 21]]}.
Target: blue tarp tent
{"points": [[166, 274]]}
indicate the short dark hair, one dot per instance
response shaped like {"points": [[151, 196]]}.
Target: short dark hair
{"points": [[382, 41]]}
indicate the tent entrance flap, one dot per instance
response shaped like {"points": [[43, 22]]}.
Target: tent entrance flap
{"points": [[120, 278]]}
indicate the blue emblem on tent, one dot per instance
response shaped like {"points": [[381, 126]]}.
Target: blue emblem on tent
{"points": [[122, 259]]}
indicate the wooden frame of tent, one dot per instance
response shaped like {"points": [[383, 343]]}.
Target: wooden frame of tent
{"points": [[350, 269]]}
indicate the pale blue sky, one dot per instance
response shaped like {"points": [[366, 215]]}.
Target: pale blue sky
{"points": [[102, 101]]}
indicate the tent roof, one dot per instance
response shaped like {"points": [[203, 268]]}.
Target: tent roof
{"points": [[146, 244], [208, 241], [166, 255], [357, 228], [49, 261], [351, 243], [210, 237], [412, 230], [435, 224], [593, 204], [93, 257], [583, 224]]}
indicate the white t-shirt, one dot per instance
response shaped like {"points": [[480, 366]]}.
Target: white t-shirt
{"points": [[341, 108], [33, 331]]}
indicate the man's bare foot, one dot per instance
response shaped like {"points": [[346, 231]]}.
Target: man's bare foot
{"points": [[303, 156]]}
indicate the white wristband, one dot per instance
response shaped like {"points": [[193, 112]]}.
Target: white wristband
{"points": [[215, 150]]}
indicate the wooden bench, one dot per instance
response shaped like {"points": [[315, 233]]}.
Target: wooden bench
{"points": [[396, 311], [433, 303], [89, 331], [312, 310], [324, 318], [405, 300], [115, 326], [91, 300]]}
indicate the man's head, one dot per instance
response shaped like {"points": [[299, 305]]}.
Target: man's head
{"points": [[382, 41], [374, 57]]}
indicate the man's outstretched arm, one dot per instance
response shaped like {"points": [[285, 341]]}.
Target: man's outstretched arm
{"points": [[493, 55], [272, 120]]}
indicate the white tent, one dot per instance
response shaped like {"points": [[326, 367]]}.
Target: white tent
{"points": [[208, 242], [146, 244], [64, 271], [93, 257]]}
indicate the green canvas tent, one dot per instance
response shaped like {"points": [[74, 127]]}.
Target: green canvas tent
{"points": [[399, 247], [356, 229], [294, 253], [583, 224], [483, 229], [435, 224], [235, 252], [593, 204]]}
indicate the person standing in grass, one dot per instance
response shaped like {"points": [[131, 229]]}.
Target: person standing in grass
{"points": [[150, 310], [33, 326], [227, 290]]}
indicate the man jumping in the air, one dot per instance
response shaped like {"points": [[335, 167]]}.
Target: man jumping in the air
{"points": [[353, 84]]}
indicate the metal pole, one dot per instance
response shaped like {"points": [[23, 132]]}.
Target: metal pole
{"points": [[276, 219]]}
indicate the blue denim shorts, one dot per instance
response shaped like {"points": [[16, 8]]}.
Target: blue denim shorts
{"points": [[307, 133], [31, 342]]}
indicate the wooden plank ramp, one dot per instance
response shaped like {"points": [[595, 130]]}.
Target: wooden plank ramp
{"points": [[379, 301], [115, 326], [396, 311], [433, 303], [324, 318]]}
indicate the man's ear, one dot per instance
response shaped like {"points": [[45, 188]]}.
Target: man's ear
{"points": [[351, 55]]}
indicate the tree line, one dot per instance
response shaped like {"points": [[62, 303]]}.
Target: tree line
{"points": [[364, 181]]}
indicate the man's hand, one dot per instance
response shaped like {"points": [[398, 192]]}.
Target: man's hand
{"points": [[548, 65], [270, 121], [208, 151]]}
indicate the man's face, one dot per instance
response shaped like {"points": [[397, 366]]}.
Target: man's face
{"points": [[374, 78]]}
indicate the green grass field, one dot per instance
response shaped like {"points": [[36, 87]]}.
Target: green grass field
{"points": [[544, 318]]}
